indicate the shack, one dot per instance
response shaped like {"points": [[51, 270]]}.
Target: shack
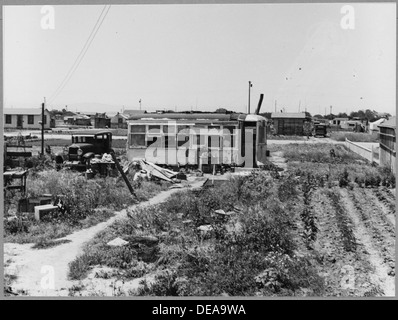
{"points": [[101, 120], [387, 144], [290, 123]]}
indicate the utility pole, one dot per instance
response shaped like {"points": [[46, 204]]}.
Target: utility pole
{"points": [[330, 109], [275, 106], [42, 127], [299, 105], [248, 107], [140, 104]]}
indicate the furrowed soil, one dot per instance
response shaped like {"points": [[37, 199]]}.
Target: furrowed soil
{"points": [[356, 255]]}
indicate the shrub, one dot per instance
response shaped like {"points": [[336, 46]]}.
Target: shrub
{"points": [[343, 179]]}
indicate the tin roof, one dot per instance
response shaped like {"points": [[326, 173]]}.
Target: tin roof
{"points": [[134, 112], [392, 123], [182, 116], [295, 115], [23, 111]]}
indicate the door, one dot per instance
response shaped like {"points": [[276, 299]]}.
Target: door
{"points": [[19, 121], [281, 124]]}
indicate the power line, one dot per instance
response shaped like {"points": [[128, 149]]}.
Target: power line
{"points": [[82, 53]]}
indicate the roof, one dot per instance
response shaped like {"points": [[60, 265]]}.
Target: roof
{"points": [[133, 112], [296, 115], [373, 125], [392, 123], [251, 117], [344, 119], [181, 116], [120, 115], [23, 111]]}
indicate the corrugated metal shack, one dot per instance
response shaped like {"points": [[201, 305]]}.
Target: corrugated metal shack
{"points": [[290, 123], [387, 144]]}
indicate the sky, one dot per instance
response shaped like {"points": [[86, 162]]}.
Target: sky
{"points": [[202, 57]]}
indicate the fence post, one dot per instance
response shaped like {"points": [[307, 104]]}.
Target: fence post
{"points": [[371, 157]]}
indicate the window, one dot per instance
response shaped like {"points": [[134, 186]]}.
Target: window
{"points": [[137, 135], [30, 119], [154, 128], [120, 120], [229, 133], [8, 118]]}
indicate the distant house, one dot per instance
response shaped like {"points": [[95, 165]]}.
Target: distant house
{"points": [[340, 122], [119, 121], [388, 144], [354, 125], [27, 118], [320, 120], [101, 121], [290, 123], [78, 120], [374, 126], [131, 112]]}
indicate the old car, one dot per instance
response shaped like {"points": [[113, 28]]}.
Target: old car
{"points": [[84, 147], [320, 129]]}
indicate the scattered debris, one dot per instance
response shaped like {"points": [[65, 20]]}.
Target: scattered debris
{"points": [[147, 240], [117, 242], [157, 171]]}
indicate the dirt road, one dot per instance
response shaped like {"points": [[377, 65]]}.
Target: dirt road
{"points": [[37, 269]]}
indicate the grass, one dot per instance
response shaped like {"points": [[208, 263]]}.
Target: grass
{"points": [[252, 252], [229, 259], [283, 137], [316, 153], [354, 136], [86, 203], [316, 159]]}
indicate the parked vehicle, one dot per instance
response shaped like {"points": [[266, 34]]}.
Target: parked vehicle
{"points": [[320, 129], [83, 148]]}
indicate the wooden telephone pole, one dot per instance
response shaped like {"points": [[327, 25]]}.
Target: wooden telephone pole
{"points": [[248, 106], [42, 127]]}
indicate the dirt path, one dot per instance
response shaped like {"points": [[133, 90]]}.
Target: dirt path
{"points": [[34, 268], [277, 159]]}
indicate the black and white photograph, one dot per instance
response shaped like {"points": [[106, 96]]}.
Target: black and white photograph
{"points": [[199, 150]]}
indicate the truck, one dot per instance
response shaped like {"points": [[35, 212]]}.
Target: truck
{"points": [[320, 129], [84, 147]]}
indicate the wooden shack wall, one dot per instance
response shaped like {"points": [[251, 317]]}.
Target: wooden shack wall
{"points": [[289, 126], [387, 148]]}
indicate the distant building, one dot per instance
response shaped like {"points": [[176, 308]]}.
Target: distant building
{"points": [[340, 122], [290, 123], [101, 121], [78, 120], [388, 144], [374, 126], [26, 118], [354, 125], [131, 112], [119, 121]]}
